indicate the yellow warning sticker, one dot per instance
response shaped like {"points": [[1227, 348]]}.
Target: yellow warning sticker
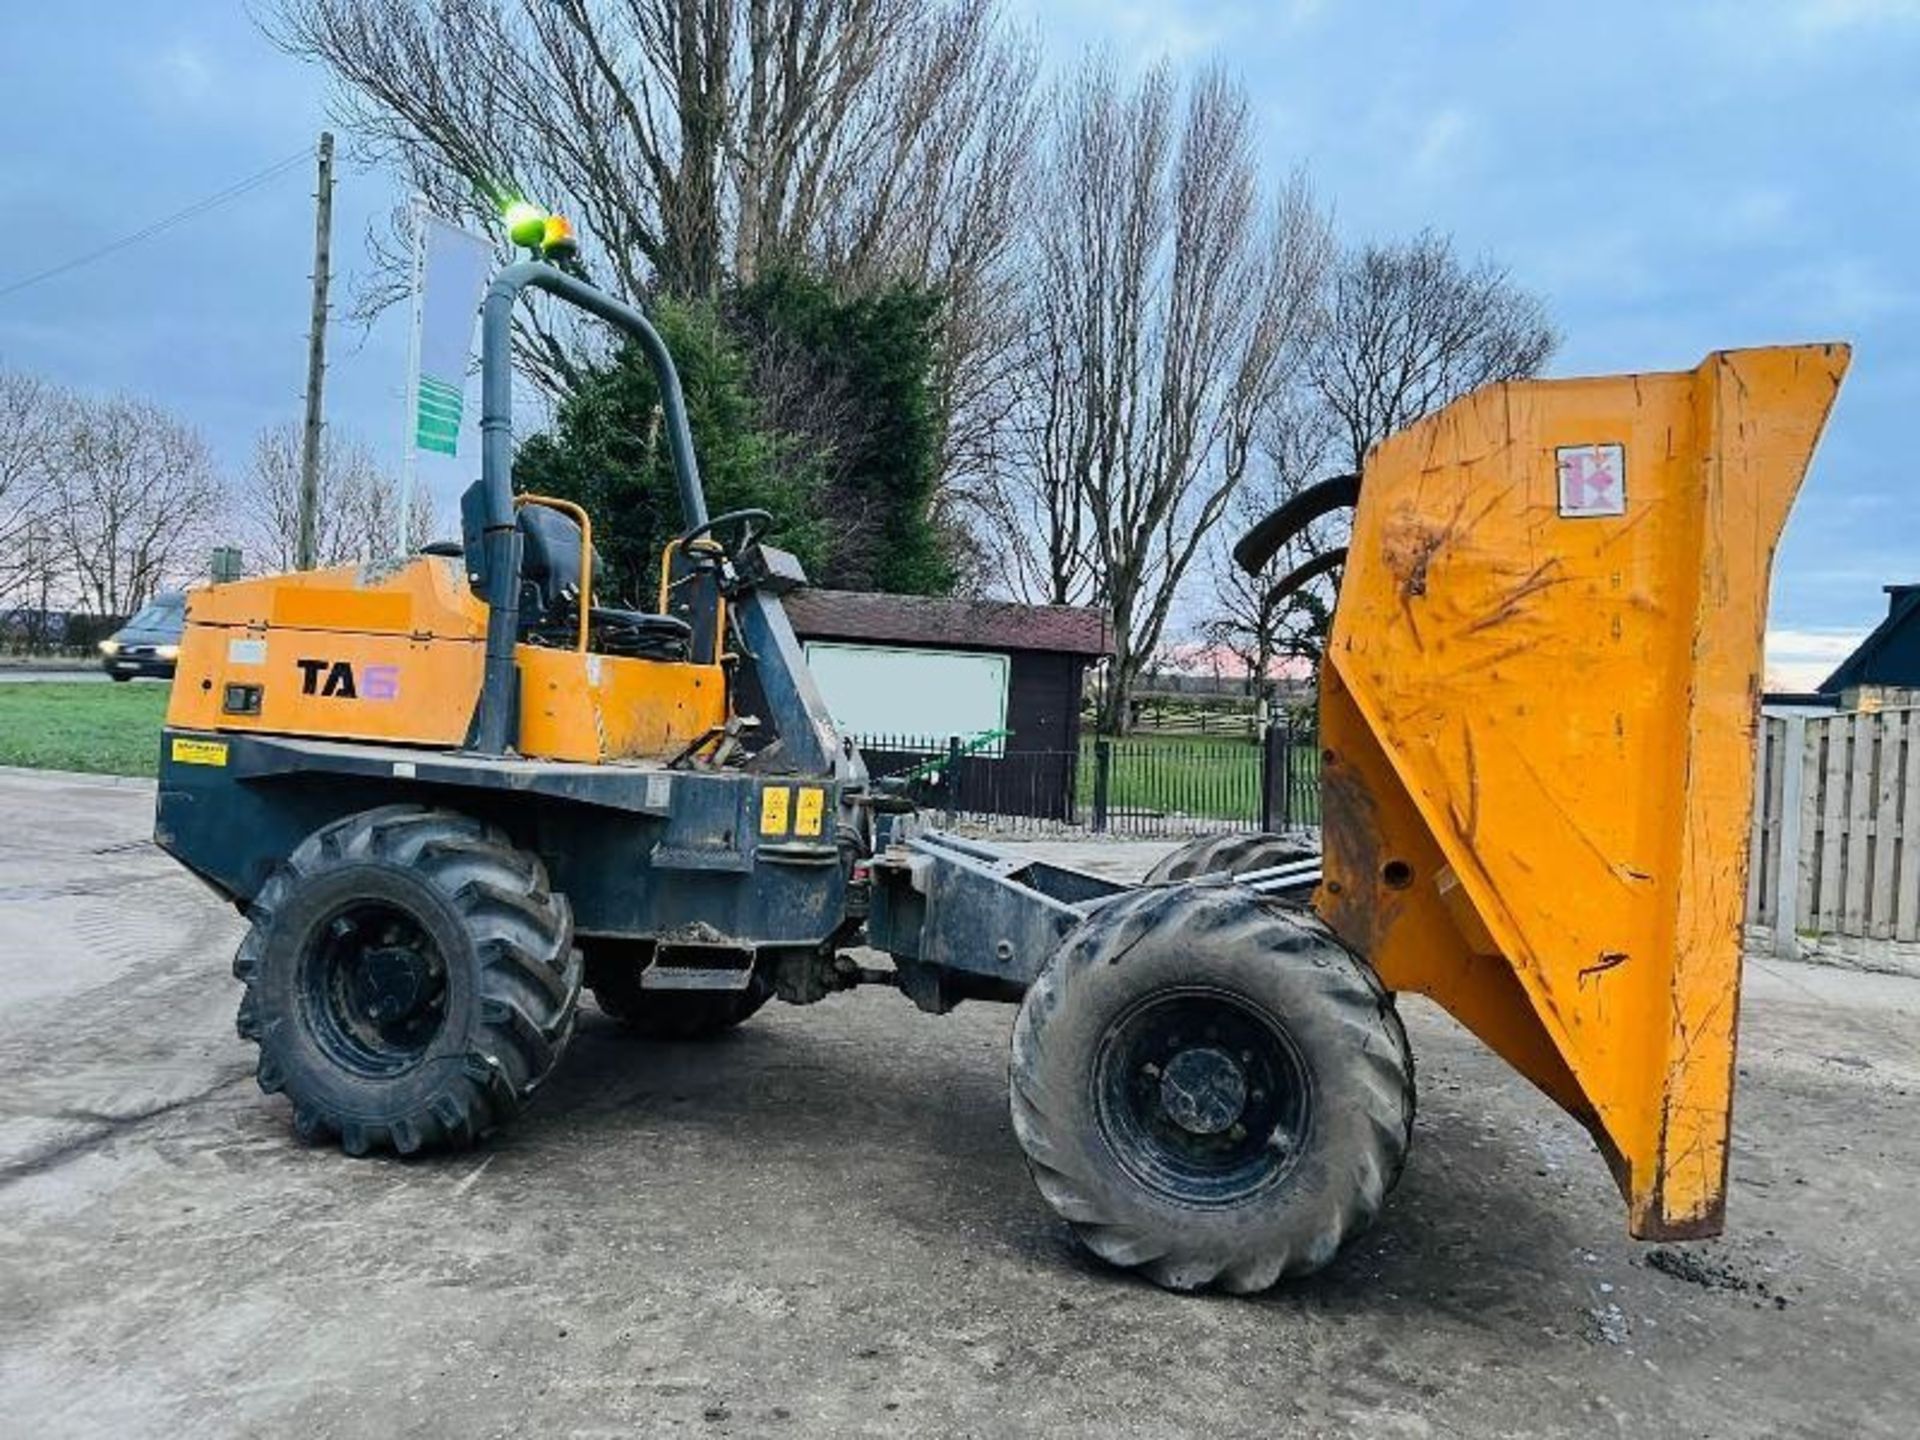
{"points": [[807, 810], [773, 809], [199, 752]]}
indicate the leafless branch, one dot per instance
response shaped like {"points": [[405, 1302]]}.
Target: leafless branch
{"points": [[692, 139], [356, 513], [34, 420], [1409, 328], [136, 503], [1169, 303]]}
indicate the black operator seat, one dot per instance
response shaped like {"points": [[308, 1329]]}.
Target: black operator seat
{"points": [[550, 597]]}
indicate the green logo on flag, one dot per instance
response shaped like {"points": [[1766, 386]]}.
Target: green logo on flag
{"points": [[437, 418]]}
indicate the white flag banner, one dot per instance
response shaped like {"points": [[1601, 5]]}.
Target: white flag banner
{"points": [[450, 272]]}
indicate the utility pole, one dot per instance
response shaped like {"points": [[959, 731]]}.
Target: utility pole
{"points": [[316, 353]]}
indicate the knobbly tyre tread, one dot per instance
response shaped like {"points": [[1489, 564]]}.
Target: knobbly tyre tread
{"points": [[1233, 854], [1354, 1025], [528, 977]]}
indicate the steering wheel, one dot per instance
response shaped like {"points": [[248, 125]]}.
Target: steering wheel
{"points": [[748, 525]]}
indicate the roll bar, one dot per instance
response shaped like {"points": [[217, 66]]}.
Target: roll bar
{"points": [[495, 714]]}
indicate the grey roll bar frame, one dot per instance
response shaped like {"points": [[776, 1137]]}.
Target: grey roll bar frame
{"points": [[495, 713]]}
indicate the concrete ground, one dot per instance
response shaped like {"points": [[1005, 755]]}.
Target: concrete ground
{"points": [[821, 1226], [30, 669]]}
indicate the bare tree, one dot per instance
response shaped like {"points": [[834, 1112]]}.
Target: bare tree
{"points": [[1254, 618], [355, 517], [1168, 301], [1409, 328], [34, 417], [136, 503], [1405, 329], [270, 503], [692, 139], [376, 516]]}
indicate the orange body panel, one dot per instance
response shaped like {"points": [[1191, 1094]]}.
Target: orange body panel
{"points": [[391, 652], [1538, 725], [603, 707], [394, 653]]}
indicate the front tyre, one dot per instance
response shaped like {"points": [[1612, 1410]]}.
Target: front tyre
{"points": [[410, 979], [1210, 1088]]}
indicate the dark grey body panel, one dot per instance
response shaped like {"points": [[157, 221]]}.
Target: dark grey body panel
{"points": [[646, 853], [639, 852]]}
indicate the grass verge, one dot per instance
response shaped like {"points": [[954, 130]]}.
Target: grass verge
{"points": [[79, 725], [115, 729], [1155, 775]]}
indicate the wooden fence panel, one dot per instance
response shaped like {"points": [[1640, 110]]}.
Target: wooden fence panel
{"points": [[1763, 853], [1889, 751], [1861, 762], [1906, 888], [1836, 830], [1836, 746], [1809, 851]]}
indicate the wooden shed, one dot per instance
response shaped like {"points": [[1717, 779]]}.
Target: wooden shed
{"points": [[906, 674]]}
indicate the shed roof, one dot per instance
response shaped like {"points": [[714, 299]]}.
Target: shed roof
{"points": [[954, 624], [1891, 654]]}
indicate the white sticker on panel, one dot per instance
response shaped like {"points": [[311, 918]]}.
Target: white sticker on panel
{"points": [[1593, 480]]}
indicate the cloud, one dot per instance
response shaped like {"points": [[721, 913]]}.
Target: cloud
{"points": [[1801, 659], [203, 81], [1757, 212], [181, 72], [1182, 32], [1773, 31], [1818, 15], [1155, 32], [1438, 146], [1848, 291]]}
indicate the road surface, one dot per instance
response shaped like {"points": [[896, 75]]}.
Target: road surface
{"points": [[821, 1227], [27, 675]]}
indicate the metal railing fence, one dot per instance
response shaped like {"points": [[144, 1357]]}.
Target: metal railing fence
{"points": [[1137, 786]]}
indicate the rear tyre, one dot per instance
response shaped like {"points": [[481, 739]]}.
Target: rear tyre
{"points": [[1231, 855], [1210, 1088], [410, 980], [613, 974]]}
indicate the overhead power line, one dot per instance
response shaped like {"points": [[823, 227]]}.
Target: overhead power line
{"points": [[147, 232]]}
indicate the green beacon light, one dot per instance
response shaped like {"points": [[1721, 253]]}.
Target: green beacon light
{"points": [[526, 224]]}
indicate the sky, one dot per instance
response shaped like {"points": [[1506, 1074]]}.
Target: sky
{"points": [[1671, 177]]}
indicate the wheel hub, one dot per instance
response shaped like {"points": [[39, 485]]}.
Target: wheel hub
{"points": [[391, 983], [374, 988], [1201, 1095], [1203, 1090]]}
